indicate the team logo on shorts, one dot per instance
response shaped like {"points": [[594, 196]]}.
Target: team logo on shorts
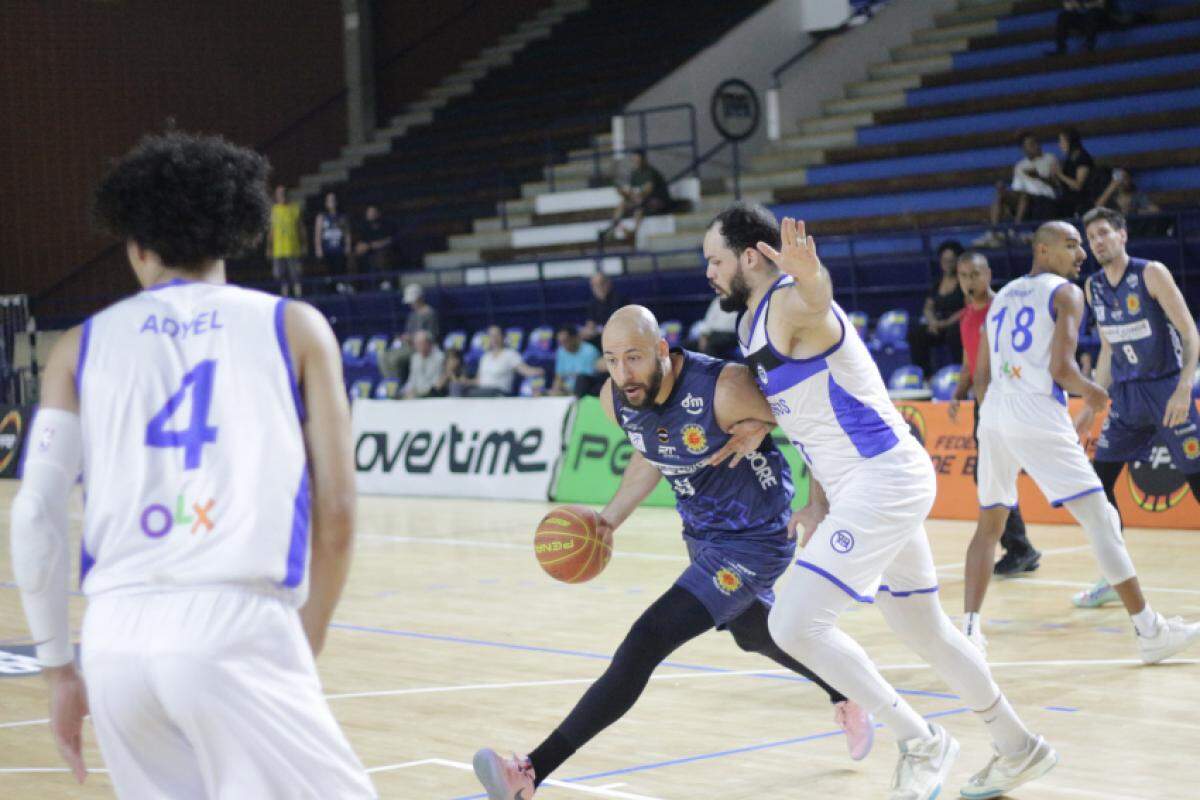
{"points": [[842, 541], [727, 581], [1191, 447], [762, 375], [694, 439], [1133, 303], [1155, 483]]}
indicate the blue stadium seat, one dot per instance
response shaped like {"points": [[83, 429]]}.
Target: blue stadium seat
{"points": [[945, 382], [908, 383], [375, 345], [859, 320], [475, 351], [694, 330], [892, 328], [361, 388], [672, 331], [352, 347], [456, 340], [533, 386], [387, 389], [514, 337]]}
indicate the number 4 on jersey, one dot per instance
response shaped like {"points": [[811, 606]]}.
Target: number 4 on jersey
{"points": [[198, 433]]}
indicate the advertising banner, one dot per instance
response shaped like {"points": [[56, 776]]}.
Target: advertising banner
{"points": [[502, 448], [598, 451], [14, 427], [1151, 494]]}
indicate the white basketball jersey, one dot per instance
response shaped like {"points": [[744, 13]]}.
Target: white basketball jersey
{"points": [[195, 471], [1020, 327], [833, 407]]}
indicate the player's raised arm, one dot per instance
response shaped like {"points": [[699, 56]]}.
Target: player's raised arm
{"points": [[1163, 289], [1068, 307], [807, 304], [39, 544], [638, 480], [327, 441], [742, 412]]}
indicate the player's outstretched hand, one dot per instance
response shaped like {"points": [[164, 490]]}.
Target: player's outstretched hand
{"points": [[68, 707], [805, 521], [744, 438], [798, 257], [603, 526], [1178, 406]]}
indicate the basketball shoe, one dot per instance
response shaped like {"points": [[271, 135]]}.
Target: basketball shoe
{"points": [[923, 766], [1100, 594], [858, 726], [1003, 774], [1171, 636], [504, 778]]}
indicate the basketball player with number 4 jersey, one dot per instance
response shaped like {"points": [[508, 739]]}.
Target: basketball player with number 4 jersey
{"points": [[212, 432], [1026, 367], [877, 486], [1148, 354]]}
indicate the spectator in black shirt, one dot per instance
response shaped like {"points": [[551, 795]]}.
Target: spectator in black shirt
{"points": [[375, 244], [331, 237], [1076, 175], [647, 193], [603, 303], [1086, 16], [939, 319]]}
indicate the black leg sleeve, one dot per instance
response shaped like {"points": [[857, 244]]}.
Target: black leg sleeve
{"points": [[671, 620], [1108, 472], [752, 635]]}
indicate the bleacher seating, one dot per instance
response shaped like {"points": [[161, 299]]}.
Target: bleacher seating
{"points": [[907, 382], [945, 381]]}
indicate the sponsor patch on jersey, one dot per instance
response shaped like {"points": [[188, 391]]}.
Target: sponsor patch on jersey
{"points": [[663, 435], [762, 374], [638, 441], [842, 541], [1010, 370], [1101, 313], [1129, 332], [1133, 303], [1191, 447], [692, 404], [694, 439], [727, 581], [1131, 281]]}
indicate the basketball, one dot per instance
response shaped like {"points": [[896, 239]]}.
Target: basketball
{"points": [[568, 546]]}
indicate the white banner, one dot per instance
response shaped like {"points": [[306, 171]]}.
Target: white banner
{"points": [[503, 448]]}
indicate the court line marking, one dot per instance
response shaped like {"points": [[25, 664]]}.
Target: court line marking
{"points": [[1054, 551], [23, 723], [596, 791], [43, 770]]}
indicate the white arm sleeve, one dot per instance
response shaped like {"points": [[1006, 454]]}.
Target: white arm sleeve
{"points": [[53, 457]]}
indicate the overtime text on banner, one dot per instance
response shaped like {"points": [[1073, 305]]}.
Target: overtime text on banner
{"points": [[459, 447], [1151, 493], [598, 452]]}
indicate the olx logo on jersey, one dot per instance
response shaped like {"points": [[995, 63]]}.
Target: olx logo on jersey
{"points": [[158, 520]]}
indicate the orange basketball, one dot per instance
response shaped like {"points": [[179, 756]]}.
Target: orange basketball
{"points": [[568, 546]]}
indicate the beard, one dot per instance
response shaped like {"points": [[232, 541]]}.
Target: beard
{"points": [[649, 392], [739, 294]]}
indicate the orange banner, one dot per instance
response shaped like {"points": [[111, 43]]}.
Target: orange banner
{"points": [[1151, 494]]}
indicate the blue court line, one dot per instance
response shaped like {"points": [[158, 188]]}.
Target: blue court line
{"points": [[434, 637], [719, 754], [1064, 709]]}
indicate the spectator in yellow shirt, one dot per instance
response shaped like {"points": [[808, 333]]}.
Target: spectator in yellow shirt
{"points": [[285, 243]]}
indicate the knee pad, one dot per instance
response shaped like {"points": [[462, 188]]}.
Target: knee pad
{"points": [[1102, 524]]}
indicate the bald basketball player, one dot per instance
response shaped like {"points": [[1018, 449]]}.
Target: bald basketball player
{"points": [[678, 409]]}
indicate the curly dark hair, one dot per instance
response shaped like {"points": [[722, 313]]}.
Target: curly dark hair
{"points": [[744, 225], [189, 198]]}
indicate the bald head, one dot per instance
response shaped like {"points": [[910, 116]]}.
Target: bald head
{"points": [[1053, 232], [1058, 248], [637, 356]]}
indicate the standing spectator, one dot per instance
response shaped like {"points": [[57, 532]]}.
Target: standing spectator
{"points": [[1031, 193], [575, 364], [421, 317], [718, 331], [424, 368], [497, 368], [454, 375], [647, 192], [604, 302], [943, 307], [376, 242], [331, 237], [1085, 16], [285, 243], [1075, 175]]}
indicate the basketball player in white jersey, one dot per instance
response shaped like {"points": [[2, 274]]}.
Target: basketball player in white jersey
{"points": [[1026, 366], [211, 429], [873, 485]]}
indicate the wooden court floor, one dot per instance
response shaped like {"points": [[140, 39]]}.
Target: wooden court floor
{"points": [[449, 638]]}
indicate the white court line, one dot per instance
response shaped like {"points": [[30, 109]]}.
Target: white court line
{"points": [[506, 545], [405, 765], [23, 723], [1051, 552], [597, 791], [42, 770], [1074, 584]]}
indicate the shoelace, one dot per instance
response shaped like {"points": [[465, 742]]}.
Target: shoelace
{"points": [[978, 778], [907, 766]]}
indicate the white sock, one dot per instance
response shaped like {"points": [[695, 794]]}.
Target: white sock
{"points": [[1006, 729], [903, 720], [971, 623], [1145, 622]]}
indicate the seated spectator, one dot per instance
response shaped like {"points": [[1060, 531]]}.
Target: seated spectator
{"points": [[1085, 16], [647, 193], [454, 375], [939, 318], [1122, 195], [497, 368], [421, 317], [603, 303], [375, 242], [576, 365], [1031, 193], [331, 237], [718, 331], [285, 243], [1076, 176], [425, 367]]}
